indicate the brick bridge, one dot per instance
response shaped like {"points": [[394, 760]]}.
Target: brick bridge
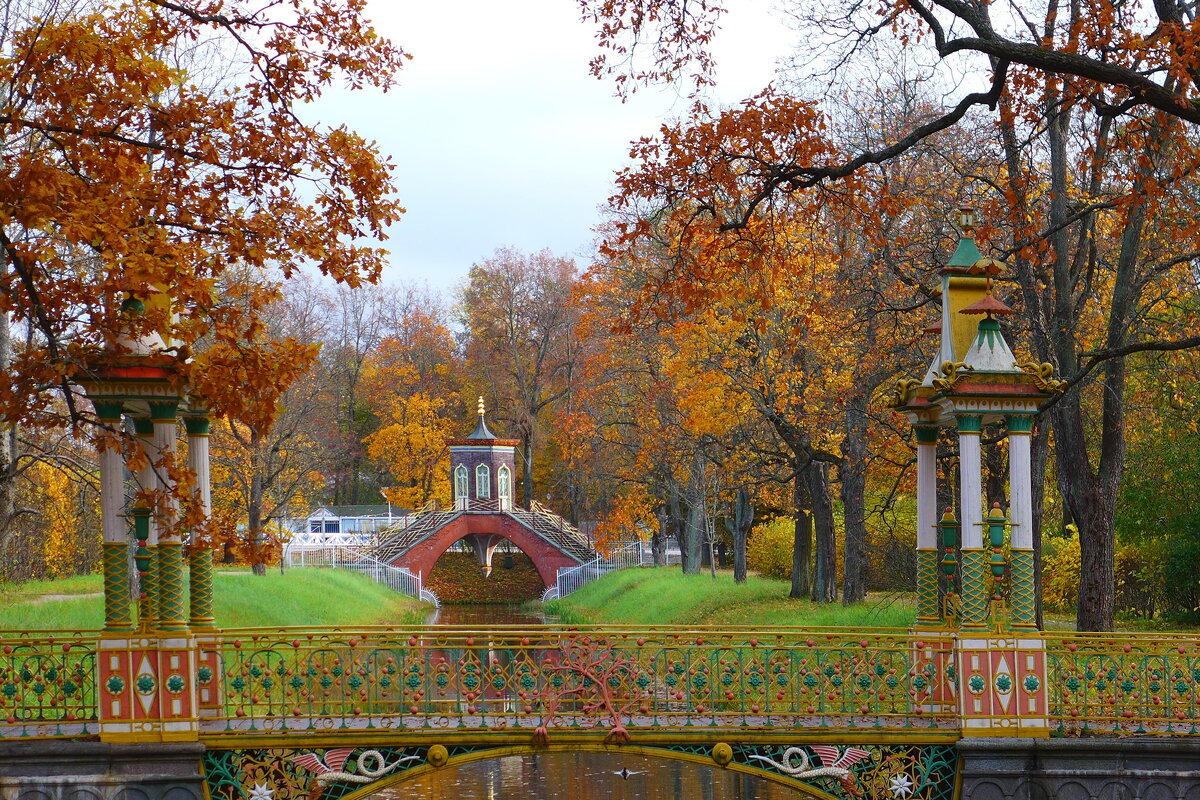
{"points": [[549, 541]]}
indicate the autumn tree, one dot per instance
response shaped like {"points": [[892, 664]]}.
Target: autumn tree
{"points": [[263, 473], [413, 381], [135, 170], [520, 340], [1091, 95]]}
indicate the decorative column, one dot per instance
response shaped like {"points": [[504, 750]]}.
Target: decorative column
{"points": [[928, 610], [147, 479], [974, 606], [200, 553], [118, 614], [171, 611], [1022, 609]]}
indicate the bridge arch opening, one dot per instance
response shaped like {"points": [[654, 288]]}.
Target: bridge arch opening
{"points": [[485, 569], [676, 773]]}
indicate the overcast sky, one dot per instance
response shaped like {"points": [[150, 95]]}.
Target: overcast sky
{"points": [[501, 137]]}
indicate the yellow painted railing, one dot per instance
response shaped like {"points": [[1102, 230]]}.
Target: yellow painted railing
{"points": [[1144, 684], [439, 678]]}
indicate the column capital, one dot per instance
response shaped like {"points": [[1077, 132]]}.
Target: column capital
{"points": [[1020, 424], [142, 426], [969, 423], [197, 425], [108, 410], [164, 410], [925, 434]]}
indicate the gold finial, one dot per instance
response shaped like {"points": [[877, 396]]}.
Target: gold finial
{"points": [[481, 405], [966, 218]]}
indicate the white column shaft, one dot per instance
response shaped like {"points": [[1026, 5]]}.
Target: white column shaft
{"points": [[927, 515], [164, 445], [112, 498], [1020, 489], [198, 463], [970, 480], [148, 480]]}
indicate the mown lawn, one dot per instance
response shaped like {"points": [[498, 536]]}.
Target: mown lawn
{"points": [[303, 597], [665, 596]]}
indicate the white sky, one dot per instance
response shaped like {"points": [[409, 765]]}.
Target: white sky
{"points": [[501, 137]]}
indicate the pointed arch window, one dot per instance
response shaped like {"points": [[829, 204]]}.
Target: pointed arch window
{"points": [[504, 486], [461, 486], [483, 481]]}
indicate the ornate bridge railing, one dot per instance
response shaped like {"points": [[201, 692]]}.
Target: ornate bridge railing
{"points": [[541, 679], [1143, 684], [593, 678], [48, 684]]}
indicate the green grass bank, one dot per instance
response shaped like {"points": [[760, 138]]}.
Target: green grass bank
{"points": [[307, 597], [665, 596]]}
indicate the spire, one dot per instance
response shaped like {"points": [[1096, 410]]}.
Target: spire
{"points": [[481, 430]]}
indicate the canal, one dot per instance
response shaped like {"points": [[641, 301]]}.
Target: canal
{"points": [[574, 776]]}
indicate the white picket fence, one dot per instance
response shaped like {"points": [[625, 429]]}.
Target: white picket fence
{"points": [[398, 579], [569, 579]]}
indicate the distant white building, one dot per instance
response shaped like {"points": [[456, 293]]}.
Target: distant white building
{"points": [[341, 526]]}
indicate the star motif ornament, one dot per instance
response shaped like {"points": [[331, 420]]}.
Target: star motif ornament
{"points": [[262, 792], [901, 785]]}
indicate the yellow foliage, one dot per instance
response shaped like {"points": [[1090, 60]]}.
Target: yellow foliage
{"points": [[56, 499], [1060, 573], [413, 449]]}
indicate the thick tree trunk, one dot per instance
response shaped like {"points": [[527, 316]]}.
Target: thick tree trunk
{"points": [[801, 539], [679, 527], [853, 474], [527, 467], [824, 589], [254, 507], [740, 537], [660, 536], [8, 440], [743, 518], [694, 530]]}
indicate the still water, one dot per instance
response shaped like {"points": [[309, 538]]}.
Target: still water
{"points": [[574, 776]]}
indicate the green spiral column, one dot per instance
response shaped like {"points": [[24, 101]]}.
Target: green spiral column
{"points": [[200, 553], [928, 610], [928, 613], [975, 594], [143, 558], [172, 607], [171, 603], [1022, 591], [118, 611], [148, 481], [1022, 603]]}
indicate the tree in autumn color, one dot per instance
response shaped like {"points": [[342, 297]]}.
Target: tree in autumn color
{"points": [[263, 473], [520, 340], [1092, 111], [413, 381], [135, 169]]}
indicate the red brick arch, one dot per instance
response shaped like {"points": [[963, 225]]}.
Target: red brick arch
{"points": [[545, 557]]}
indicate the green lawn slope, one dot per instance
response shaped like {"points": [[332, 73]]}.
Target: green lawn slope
{"points": [[665, 596], [301, 597]]}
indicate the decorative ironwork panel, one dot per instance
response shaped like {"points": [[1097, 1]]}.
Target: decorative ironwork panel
{"points": [[1136, 684], [47, 685], [916, 771], [541, 679]]}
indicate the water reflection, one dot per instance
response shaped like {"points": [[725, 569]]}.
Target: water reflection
{"points": [[586, 776]]}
